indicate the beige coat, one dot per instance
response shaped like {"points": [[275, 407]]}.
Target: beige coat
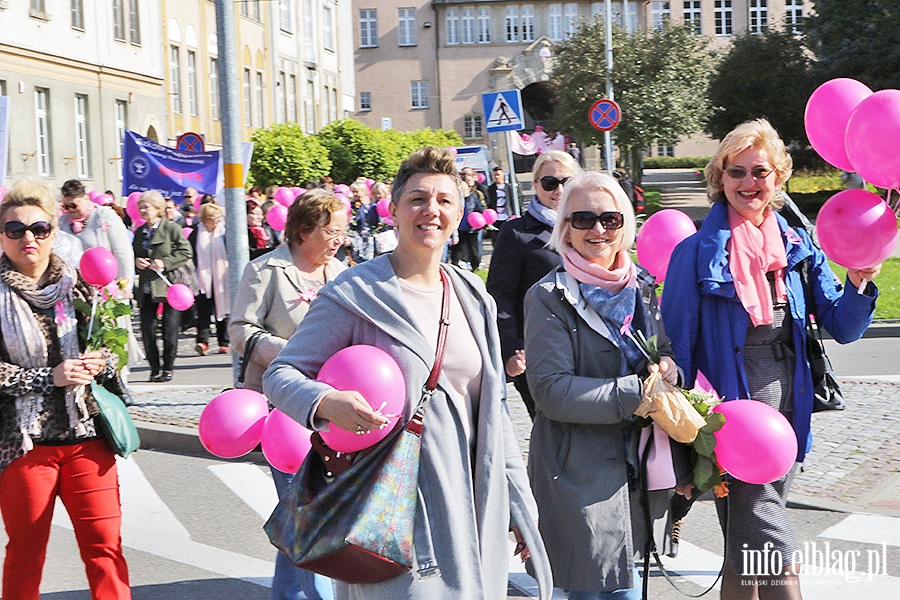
{"points": [[268, 300]]}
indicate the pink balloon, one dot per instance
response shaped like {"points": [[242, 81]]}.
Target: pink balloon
{"points": [[284, 196], [98, 266], [187, 231], [285, 442], [658, 236], [3, 191], [135, 223], [101, 199], [297, 192], [490, 216], [93, 195], [476, 220], [389, 221], [383, 208], [180, 297], [277, 216], [342, 188], [756, 444], [131, 206], [343, 198], [481, 178], [827, 112], [857, 229], [374, 374], [871, 139], [453, 150], [231, 424], [369, 183]]}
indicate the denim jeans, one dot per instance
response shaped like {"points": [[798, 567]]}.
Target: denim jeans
{"points": [[632, 594], [291, 582]]}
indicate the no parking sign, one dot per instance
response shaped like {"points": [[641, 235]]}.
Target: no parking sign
{"points": [[604, 114]]}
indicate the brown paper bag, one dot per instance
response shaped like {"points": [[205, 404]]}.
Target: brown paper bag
{"points": [[667, 406]]}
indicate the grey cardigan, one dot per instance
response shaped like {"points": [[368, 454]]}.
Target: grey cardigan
{"points": [[582, 446], [469, 494]]}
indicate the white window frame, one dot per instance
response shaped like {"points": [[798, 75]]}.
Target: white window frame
{"points": [[192, 82], [692, 14], [526, 23], [555, 22], [793, 15], [406, 26], [660, 11], [248, 99], [118, 16], [724, 18], [467, 25], [134, 22], [333, 105], [280, 97], [570, 20], [291, 99], [42, 129], [418, 94], [310, 105], [473, 127], [175, 77], [285, 18], [260, 101], [308, 33], [451, 26], [511, 24], [82, 145], [78, 14], [484, 25], [365, 101], [328, 28], [757, 16], [121, 121], [214, 87], [368, 28], [665, 150]]}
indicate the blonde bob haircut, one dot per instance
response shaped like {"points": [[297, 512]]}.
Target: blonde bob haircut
{"points": [[209, 210], [30, 192], [312, 209], [155, 199], [592, 182], [757, 134], [563, 158]]}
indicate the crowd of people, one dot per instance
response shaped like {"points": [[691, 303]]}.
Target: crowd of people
{"points": [[562, 290]]}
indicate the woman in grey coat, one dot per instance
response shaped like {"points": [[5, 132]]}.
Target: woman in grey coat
{"points": [[473, 488], [586, 372]]}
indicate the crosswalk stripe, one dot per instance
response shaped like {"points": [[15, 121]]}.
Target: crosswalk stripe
{"points": [[250, 484], [869, 529]]}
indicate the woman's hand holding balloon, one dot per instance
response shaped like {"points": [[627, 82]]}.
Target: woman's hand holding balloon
{"points": [[858, 276], [350, 411]]}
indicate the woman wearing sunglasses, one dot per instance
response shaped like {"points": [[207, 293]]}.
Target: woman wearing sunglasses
{"points": [[49, 447], [585, 372], [735, 308], [520, 259]]}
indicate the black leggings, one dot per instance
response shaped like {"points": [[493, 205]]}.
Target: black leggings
{"points": [[206, 309], [171, 320]]}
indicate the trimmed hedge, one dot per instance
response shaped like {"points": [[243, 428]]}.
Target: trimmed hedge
{"points": [[676, 162]]}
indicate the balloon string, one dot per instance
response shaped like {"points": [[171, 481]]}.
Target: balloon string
{"points": [[93, 313], [163, 277]]}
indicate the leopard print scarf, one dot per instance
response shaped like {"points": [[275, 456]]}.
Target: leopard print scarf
{"points": [[25, 341]]}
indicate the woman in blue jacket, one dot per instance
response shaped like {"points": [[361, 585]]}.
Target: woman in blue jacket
{"points": [[735, 307]]}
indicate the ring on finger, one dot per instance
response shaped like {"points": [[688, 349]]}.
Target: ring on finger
{"points": [[360, 430]]}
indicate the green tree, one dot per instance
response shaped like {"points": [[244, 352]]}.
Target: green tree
{"points": [[767, 76], [858, 39], [659, 81], [284, 155]]}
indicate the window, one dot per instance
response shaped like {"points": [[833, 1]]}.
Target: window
{"points": [[526, 23], [334, 104], [280, 108], [42, 127], [692, 15], [78, 14], [292, 98], [134, 22], [571, 20], [214, 88], [248, 110], [175, 77], [37, 6], [723, 16], [284, 16], [308, 21], [660, 12], [365, 101], [512, 23], [192, 81], [406, 26], [259, 100], [484, 25], [759, 16], [328, 28], [82, 166], [250, 8], [472, 127], [121, 125], [793, 12], [308, 103], [554, 23], [451, 22], [119, 19], [368, 28], [467, 25], [419, 94], [665, 150]]}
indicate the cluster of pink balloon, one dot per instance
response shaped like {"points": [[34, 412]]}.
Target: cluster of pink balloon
{"points": [[478, 220], [100, 198], [855, 129], [657, 239], [756, 444], [236, 421]]}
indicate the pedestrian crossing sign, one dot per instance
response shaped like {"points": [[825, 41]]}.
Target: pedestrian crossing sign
{"points": [[503, 111]]}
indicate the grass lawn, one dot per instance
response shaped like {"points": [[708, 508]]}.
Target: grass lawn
{"points": [[888, 282]]}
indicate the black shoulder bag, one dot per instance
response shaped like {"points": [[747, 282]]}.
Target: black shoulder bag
{"points": [[827, 391]]}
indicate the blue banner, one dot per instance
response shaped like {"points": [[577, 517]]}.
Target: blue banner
{"points": [[148, 165]]}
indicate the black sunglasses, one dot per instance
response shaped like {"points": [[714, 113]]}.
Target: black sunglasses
{"points": [[550, 183], [16, 229], [741, 172], [585, 219]]}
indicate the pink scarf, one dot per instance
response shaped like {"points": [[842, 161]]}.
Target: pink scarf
{"points": [[614, 280], [754, 251], [77, 225]]}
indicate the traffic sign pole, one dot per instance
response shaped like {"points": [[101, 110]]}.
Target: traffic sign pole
{"points": [[610, 161], [513, 180]]}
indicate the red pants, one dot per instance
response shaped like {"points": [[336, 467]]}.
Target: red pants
{"points": [[85, 478]]}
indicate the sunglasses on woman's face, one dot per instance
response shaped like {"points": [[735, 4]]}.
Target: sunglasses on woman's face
{"points": [[585, 219], [16, 229], [550, 183], [741, 172]]}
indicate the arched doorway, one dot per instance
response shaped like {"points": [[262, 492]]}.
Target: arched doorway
{"points": [[151, 133], [538, 101]]}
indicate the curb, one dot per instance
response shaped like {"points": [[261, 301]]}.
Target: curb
{"points": [[185, 440]]}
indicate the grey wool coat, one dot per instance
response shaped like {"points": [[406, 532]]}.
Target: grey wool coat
{"points": [[470, 494], [584, 440]]}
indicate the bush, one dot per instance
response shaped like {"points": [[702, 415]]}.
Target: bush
{"points": [[284, 155], [676, 162]]}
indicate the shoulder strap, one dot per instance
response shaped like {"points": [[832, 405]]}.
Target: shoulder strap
{"points": [[245, 360]]}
